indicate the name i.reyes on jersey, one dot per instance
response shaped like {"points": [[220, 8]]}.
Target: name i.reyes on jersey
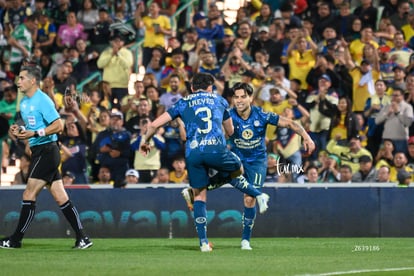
{"points": [[203, 101]]}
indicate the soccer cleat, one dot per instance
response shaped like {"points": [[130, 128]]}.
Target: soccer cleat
{"points": [[205, 247], [245, 245], [189, 197], [262, 202], [9, 244], [83, 243]]}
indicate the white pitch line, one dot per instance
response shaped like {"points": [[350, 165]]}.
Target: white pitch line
{"points": [[360, 271]]}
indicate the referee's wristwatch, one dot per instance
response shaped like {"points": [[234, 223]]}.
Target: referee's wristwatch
{"points": [[36, 134]]}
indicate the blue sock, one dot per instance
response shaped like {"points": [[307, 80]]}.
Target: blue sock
{"points": [[248, 222], [241, 184], [200, 219]]}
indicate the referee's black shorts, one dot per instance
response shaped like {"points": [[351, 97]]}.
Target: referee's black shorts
{"points": [[45, 162]]}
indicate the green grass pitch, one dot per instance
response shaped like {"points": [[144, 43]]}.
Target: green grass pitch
{"points": [[179, 256]]}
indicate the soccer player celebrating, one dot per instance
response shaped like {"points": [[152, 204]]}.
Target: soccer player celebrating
{"points": [[204, 114], [42, 123], [248, 142]]}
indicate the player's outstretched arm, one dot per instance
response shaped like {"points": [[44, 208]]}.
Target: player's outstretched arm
{"points": [[308, 143]]}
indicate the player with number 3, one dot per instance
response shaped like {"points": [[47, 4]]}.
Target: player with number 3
{"points": [[204, 114]]}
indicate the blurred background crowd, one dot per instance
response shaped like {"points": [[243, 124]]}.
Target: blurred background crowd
{"points": [[343, 69]]}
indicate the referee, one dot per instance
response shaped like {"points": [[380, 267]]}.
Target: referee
{"points": [[42, 124]]}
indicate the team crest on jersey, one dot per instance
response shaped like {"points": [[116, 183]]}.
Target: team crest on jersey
{"points": [[247, 134], [256, 123]]}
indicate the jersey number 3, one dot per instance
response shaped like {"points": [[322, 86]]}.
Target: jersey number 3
{"points": [[206, 118]]}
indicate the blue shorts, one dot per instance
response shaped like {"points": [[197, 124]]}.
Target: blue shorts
{"points": [[199, 163], [255, 172]]}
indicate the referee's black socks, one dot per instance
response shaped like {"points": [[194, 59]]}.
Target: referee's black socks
{"points": [[26, 217], [72, 216]]}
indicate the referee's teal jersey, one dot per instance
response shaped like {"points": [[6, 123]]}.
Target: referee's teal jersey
{"points": [[37, 113]]}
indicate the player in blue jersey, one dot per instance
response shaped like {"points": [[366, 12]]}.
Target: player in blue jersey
{"points": [[204, 114], [248, 142], [42, 124]]}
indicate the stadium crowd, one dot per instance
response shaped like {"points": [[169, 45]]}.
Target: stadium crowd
{"points": [[344, 70]]}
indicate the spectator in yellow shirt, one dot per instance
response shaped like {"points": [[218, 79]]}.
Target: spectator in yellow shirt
{"points": [[322, 104], [408, 29], [179, 173], [364, 78], [400, 163], [356, 47], [116, 63], [300, 58], [277, 105]]}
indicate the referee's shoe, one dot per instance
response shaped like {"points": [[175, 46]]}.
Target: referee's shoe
{"points": [[83, 243], [9, 244]]}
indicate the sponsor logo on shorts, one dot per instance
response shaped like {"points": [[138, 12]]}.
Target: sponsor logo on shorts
{"points": [[201, 220]]}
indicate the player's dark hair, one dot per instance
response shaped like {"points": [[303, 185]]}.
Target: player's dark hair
{"points": [[242, 86], [34, 72], [201, 81]]}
